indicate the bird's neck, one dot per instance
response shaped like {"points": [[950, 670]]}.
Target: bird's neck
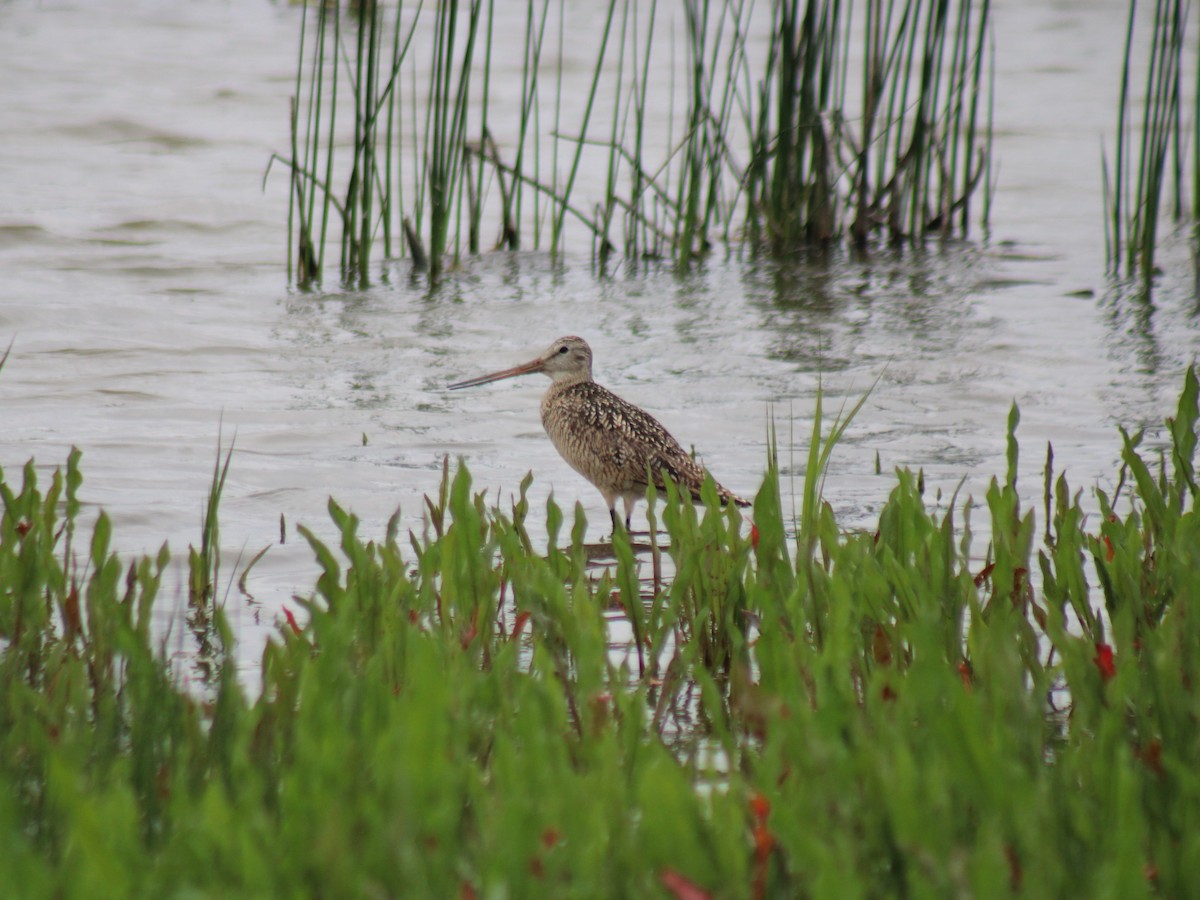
{"points": [[557, 391], [564, 381]]}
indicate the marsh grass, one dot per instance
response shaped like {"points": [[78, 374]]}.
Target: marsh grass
{"points": [[774, 128], [1148, 178], [810, 712], [205, 617]]}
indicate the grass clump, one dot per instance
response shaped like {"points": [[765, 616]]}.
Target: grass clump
{"points": [[769, 129], [904, 158], [1149, 174], [807, 712]]}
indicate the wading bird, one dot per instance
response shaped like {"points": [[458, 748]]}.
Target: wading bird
{"points": [[609, 441]]}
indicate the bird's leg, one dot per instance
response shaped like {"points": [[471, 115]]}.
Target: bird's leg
{"points": [[629, 503], [612, 512]]}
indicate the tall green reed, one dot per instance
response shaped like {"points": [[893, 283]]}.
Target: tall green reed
{"points": [[446, 122], [771, 149], [907, 160], [205, 617], [1151, 157]]}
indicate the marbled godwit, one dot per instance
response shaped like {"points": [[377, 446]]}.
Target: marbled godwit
{"points": [[607, 440]]}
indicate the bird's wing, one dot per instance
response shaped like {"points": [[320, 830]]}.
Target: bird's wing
{"points": [[631, 440]]}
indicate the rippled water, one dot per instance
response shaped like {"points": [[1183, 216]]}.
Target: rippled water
{"points": [[144, 292]]}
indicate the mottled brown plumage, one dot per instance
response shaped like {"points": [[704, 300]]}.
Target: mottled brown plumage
{"points": [[607, 440]]}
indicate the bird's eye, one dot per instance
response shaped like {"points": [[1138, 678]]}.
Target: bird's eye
{"points": [[562, 349]]}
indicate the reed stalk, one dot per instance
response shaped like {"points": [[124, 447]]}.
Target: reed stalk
{"points": [[314, 130], [445, 124], [476, 205], [637, 218], [559, 215], [205, 564], [512, 201], [604, 214]]}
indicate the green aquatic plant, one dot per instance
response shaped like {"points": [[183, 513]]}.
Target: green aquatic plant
{"points": [[205, 616], [911, 154], [807, 711], [1150, 155], [766, 143]]}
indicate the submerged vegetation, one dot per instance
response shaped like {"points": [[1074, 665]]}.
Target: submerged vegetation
{"points": [[769, 128], [806, 712]]}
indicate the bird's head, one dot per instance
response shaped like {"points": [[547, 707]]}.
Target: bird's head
{"points": [[568, 360]]}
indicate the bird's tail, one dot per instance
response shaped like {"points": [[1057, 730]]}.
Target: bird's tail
{"points": [[730, 497], [725, 496]]}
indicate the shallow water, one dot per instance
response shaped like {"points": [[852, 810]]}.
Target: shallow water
{"points": [[145, 295]]}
